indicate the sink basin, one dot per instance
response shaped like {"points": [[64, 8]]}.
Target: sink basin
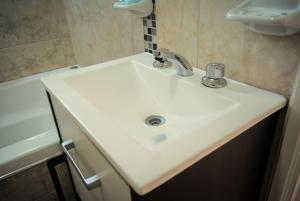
{"points": [[129, 92], [112, 102]]}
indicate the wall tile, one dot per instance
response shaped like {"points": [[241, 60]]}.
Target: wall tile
{"points": [[8, 69], [28, 21], [64, 47], [34, 58], [137, 40], [264, 61], [177, 27], [59, 25], [199, 31], [24, 21], [1, 77], [34, 38], [100, 33]]}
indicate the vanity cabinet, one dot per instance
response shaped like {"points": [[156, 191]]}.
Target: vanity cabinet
{"points": [[206, 144], [237, 171], [234, 172], [89, 161]]}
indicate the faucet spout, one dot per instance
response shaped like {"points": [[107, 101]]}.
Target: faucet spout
{"points": [[184, 68]]}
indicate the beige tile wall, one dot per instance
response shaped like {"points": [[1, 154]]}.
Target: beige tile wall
{"points": [[34, 37], [41, 35], [100, 33], [198, 30]]}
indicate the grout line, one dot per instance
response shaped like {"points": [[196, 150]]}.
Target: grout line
{"points": [[197, 34]]}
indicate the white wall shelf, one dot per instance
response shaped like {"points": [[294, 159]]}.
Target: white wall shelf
{"points": [[141, 8], [268, 19]]}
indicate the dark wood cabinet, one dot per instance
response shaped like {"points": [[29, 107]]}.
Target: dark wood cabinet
{"points": [[234, 172]]}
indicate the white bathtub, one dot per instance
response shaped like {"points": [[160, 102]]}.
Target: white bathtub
{"points": [[28, 135]]}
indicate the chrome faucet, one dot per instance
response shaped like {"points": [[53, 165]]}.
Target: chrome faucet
{"points": [[183, 67]]}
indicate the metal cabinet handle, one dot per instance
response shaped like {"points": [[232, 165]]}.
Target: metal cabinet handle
{"points": [[90, 182]]}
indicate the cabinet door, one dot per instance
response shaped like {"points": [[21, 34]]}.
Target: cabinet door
{"points": [[90, 161]]}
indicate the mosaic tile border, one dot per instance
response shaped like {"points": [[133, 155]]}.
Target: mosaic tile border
{"points": [[149, 26]]}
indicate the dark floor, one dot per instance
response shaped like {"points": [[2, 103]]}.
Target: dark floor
{"points": [[35, 184]]}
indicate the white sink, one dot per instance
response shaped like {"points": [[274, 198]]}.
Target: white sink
{"points": [[129, 92], [111, 101]]}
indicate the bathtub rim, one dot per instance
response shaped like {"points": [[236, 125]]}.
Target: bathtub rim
{"points": [[36, 76], [38, 153], [42, 148]]}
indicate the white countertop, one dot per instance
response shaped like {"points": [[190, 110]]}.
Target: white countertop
{"points": [[146, 168]]}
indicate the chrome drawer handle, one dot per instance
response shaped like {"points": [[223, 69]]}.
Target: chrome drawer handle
{"points": [[90, 182]]}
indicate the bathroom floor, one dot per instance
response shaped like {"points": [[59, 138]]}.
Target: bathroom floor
{"points": [[35, 184]]}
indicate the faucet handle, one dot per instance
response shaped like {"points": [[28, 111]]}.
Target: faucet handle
{"points": [[164, 53], [156, 54], [214, 76], [215, 70], [161, 54], [161, 58]]}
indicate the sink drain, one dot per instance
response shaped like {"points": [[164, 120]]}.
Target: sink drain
{"points": [[155, 120]]}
